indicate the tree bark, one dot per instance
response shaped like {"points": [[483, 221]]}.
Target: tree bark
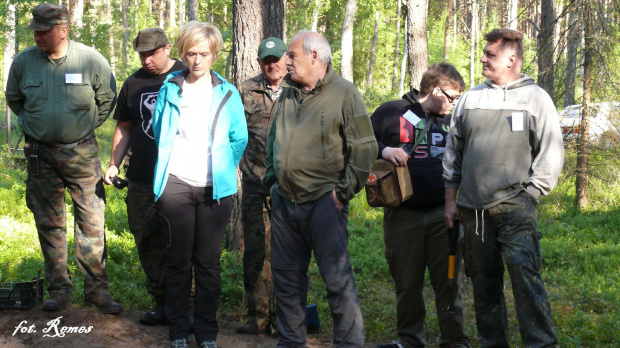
{"points": [[172, 15], [182, 12], [372, 51], [346, 60], [546, 48], [513, 12], [78, 13], [472, 44], [583, 146], [446, 37], [417, 11], [315, 14], [273, 19], [192, 10], [574, 40], [125, 32], [396, 47], [403, 65]]}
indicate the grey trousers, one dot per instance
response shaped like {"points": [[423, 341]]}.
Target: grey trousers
{"points": [[297, 231]]}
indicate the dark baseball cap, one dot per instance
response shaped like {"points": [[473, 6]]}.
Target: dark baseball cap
{"points": [[150, 39], [271, 47], [45, 16]]}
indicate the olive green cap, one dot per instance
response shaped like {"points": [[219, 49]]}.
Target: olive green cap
{"points": [[271, 47], [150, 39], [45, 16]]}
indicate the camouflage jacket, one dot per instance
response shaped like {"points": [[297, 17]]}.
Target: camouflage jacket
{"points": [[257, 103]]}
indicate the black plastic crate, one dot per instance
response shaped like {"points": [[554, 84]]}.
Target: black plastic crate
{"points": [[21, 295]]}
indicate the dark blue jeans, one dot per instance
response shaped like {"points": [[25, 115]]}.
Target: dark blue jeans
{"points": [[297, 231], [196, 224]]}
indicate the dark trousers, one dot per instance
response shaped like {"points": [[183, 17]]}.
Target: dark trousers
{"points": [[509, 234], [77, 169], [297, 231], [148, 232], [415, 241], [257, 279], [195, 224]]}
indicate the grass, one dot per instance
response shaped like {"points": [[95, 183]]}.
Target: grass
{"points": [[581, 265]]}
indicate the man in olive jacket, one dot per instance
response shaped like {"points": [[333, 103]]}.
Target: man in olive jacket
{"points": [[319, 152], [61, 91]]}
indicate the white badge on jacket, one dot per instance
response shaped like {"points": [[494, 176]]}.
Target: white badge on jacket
{"points": [[73, 78], [517, 121]]}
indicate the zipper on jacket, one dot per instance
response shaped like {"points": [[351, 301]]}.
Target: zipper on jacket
{"points": [[288, 152], [215, 118], [323, 133]]}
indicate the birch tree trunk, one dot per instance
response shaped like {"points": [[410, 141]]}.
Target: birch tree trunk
{"points": [[373, 50], [417, 11], [396, 47], [182, 6], [513, 12], [583, 146], [346, 60], [172, 15], [446, 37], [315, 14], [472, 44], [546, 48], [9, 35]]}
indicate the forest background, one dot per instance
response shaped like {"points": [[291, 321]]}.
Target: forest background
{"points": [[381, 45]]}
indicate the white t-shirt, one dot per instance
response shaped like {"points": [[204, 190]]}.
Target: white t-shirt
{"points": [[190, 160]]}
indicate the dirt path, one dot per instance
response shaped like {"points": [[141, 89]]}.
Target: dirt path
{"points": [[100, 330]]}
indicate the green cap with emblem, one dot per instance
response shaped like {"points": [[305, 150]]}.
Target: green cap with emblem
{"points": [[150, 39], [271, 47], [45, 16]]}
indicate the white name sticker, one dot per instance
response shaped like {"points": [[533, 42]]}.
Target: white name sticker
{"points": [[411, 117], [73, 78], [517, 121]]}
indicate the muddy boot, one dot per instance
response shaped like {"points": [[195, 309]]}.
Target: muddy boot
{"points": [[58, 301], [104, 303], [252, 327]]}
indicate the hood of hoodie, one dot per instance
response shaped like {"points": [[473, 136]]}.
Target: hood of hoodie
{"points": [[524, 80]]}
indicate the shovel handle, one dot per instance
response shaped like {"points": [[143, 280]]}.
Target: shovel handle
{"points": [[451, 262]]}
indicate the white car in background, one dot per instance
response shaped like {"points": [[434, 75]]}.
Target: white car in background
{"points": [[604, 122]]}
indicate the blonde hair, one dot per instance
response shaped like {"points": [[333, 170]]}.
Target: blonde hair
{"points": [[194, 32]]}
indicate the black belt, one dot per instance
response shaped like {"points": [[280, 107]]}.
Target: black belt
{"points": [[60, 145]]}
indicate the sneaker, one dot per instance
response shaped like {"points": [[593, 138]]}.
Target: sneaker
{"points": [[155, 317], [179, 343], [104, 303], [394, 344], [208, 344], [57, 302]]}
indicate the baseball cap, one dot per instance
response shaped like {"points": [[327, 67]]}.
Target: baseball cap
{"points": [[271, 47], [150, 39], [45, 16]]}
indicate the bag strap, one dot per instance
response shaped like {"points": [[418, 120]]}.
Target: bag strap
{"points": [[427, 126]]}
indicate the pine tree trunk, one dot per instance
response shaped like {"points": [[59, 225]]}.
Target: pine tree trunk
{"points": [[273, 20], [403, 64], [574, 40], [346, 61], [446, 37], [125, 32], [546, 47], [372, 51], [396, 47], [192, 10], [583, 147], [417, 11]]}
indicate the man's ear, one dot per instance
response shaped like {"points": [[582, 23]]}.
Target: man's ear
{"points": [[315, 56], [512, 60]]}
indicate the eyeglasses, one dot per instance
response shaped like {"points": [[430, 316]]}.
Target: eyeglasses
{"points": [[451, 99]]}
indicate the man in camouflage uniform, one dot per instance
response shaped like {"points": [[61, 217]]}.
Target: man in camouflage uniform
{"points": [[258, 95], [134, 113], [504, 151], [61, 91]]}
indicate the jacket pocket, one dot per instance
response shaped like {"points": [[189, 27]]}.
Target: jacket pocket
{"points": [[80, 96], [34, 91], [483, 181]]}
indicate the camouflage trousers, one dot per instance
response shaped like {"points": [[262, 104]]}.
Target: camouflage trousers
{"points": [[150, 237], [507, 232], [257, 279], [78, 170]]}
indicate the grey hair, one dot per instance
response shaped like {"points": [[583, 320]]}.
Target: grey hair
{"points": [[313, 41]]}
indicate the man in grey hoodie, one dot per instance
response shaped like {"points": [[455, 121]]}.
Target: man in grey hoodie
{"points": [[504, 150]]}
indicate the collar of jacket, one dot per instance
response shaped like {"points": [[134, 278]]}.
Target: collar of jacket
{"points": [[524, 80], [179, 79], [258, 82], [44, 56]]}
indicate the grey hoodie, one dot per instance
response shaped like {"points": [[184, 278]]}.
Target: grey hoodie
{"points": [[503, 140]]}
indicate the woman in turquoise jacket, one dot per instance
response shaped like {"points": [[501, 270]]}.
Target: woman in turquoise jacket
{"points": [[199, 126]]}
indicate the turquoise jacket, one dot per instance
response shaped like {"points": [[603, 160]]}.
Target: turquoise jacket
{"points": [[228, 133]]}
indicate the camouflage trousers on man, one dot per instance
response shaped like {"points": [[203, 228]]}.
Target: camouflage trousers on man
{"points": [[507, 232], [257, 279], [150, 237], [77, 168]]}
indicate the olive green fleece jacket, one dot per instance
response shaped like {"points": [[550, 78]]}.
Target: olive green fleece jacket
{"points": [[322, 143]]}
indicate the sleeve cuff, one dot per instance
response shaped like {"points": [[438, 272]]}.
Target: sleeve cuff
{"points": [[533, 191]]}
